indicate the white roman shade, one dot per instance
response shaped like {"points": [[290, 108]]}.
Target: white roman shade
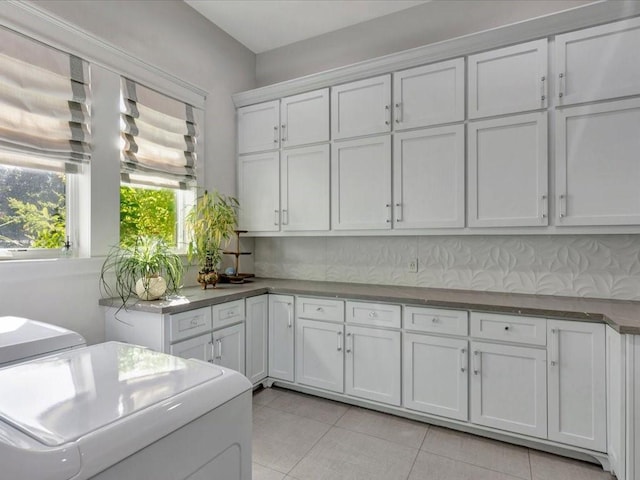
{"points": [[159, 138], [44, 106]]}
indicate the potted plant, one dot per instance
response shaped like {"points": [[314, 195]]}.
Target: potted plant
{"points": [[211, 222], [147, 268]]}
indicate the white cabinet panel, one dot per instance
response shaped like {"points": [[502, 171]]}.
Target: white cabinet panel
{"points": [[257, 335], [281, 337], [189, 324], [227, 313], [361, 184], [509, 328], [616, 419], [436, 320], [508, 171], [258, 127], [305, 118], [428, 178], [373, 364], [435, 375], [305, 188], [319, 354], [598, 63], [577, 386], [361, 108], [259, 192], [373, 314], [509, 388], [508, 80], [320, 309], [199, 348], [429, 95], [228, 347], [597, 164]]}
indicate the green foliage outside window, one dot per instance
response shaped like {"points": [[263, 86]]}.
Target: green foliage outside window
{"points": [[147, 212]]}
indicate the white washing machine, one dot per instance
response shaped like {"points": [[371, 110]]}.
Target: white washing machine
{"points": [[115, 411], [22, 339]]}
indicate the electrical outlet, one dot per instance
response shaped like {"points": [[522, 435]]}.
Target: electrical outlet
{"points": [[413, 266]]}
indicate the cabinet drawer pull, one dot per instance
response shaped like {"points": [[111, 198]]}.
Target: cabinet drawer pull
{"points": [[194, 322], [373, 314], [434, 320], [319, 309], [506, 328]]}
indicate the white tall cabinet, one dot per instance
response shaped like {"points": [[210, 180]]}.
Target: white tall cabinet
{"points": [[257, 336], [281, 337]]}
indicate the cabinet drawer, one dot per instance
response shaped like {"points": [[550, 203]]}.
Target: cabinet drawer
{"points": [[188, 324], [227, 313], [509, 328], [379, 314], [451, 322], [320, 309]]}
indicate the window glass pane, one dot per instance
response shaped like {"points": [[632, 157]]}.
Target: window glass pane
{"points": [[149, 212], [32, 208]]}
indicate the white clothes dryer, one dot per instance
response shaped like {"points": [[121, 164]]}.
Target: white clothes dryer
{"points": [[115, 411]]}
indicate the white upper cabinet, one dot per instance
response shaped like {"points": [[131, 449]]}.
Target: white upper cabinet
{"points": [[305, 188], [305, 118], [508, 80], [361, 184], [598, 63], [258, 127], [361, 108], [508, 171], [258, 192], [597, 164], [428, 178], [429, 95]]}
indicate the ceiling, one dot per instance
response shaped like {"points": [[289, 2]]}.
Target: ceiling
{"points": [[263, 25]]}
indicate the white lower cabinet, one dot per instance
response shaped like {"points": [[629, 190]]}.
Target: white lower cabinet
{"points": [[373, 364], [509, 388], [199, 348], [319, 354], [281, 337], [577, 384], [257, 335], [228, 347], [435, 375]]}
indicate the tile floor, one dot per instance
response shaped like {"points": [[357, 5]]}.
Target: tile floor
{"points": [[301, 437]]}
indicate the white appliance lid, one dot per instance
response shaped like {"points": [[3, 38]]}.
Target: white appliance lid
{"points": [[58, 399], [23, 338]]}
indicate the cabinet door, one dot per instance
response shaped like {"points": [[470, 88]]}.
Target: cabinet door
{"points": [[597, 164], [305, 118], [429, 95], [616, 73], [258, 127], [508, 171], [435, 375], [361, 108], [228, 347], [361, 184], [577, 384], [304, 190], [319, 354], [259, 192], [372, 364], [508, 80], [257, 330], [281, 337], [428, 178], [509, 388], [200, 348]]}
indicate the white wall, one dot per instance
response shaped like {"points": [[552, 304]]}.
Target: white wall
{"points": [[424, 24], [171, 36]]}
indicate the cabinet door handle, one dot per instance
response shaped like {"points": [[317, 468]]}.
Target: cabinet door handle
{"points": [[276, 220], [398, 212], [563, 206], [554, 347], [285, 217], [220, 349], [388, 206], [339, 341], [398, 112], [284, 135], [561, 84], [545, 207], [464, 360], [349, 342], [387, 115], [213, 351], [289, 318], [275, 134], [543, 90], [476, 362]]}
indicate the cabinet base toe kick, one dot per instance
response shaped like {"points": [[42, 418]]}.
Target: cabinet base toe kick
{"points": [[598, 458]]}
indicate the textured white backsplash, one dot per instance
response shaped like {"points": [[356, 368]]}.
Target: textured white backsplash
{"points": [[603, 266]]}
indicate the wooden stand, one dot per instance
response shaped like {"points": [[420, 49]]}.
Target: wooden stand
{"points": [[238, 277]]}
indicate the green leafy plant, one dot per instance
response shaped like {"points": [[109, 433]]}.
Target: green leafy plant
{"points": [[147, 212], [210, 222], [147, 258]]}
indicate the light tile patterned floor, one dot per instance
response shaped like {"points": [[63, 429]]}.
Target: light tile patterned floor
{"points": [[301, 437]]}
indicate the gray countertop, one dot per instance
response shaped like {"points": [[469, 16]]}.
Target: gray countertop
{"points": [[623, 316]]}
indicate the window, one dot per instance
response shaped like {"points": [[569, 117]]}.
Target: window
{"points": [[159, 136], [44, 143]]}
